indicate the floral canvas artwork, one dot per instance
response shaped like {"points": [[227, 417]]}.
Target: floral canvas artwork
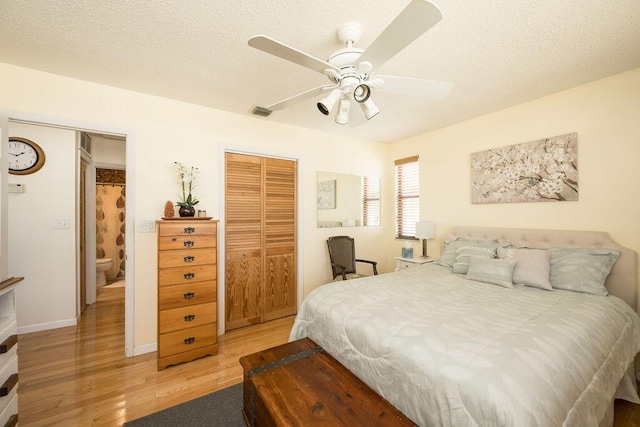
{"points": [[538, 171], [327, 195]]}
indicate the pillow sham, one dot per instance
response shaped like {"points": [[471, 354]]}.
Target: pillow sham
{"points": [[532, 268], [482, 250], [448, 257], [581, 269], [494, 271]]}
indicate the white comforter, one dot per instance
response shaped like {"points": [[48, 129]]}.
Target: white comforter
{"points": [[449, 351]]}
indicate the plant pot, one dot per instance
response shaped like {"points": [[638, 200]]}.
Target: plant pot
{"points": [[187, 211]]}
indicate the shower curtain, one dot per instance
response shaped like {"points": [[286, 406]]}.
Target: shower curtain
{"points": [[110, 227]]}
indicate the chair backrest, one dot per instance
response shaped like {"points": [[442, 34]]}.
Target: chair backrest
{"points": [[342, 252]]}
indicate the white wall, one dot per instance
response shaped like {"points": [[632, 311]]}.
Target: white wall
{"points": [[606, 116], [4, 173], [167, 131], [604, 113], [108, 151], [44, 255]]}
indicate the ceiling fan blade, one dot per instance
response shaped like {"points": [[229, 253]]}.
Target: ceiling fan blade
{"points": [[413, 21], [415, 87], [356, 116], [299, 97], [283, 51]]}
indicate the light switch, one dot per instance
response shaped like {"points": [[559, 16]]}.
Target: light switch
{"points": [[62, 223], [147, 226]]}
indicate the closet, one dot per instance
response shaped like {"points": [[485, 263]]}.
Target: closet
{"points": [[260, 239]]}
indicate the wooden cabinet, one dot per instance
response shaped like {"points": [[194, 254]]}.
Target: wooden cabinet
{"points": [[187, 290], [260, 239], [8, 353]]}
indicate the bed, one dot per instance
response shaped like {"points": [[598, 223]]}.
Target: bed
{"points": [[450, 351]]}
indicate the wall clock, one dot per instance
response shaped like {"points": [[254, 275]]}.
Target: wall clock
{"points": [[25, 156]]}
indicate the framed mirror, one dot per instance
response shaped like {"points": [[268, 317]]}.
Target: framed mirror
{"points": [[345, 200]]}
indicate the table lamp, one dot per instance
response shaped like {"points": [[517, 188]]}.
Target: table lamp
{"points": [[425, 230]]}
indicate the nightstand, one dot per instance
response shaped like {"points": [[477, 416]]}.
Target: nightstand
{"points": [[402, 263]]}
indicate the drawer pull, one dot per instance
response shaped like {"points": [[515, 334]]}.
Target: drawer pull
{"points": [[189, 276], [190, 340], [189, 258], [188, 243], [189, 230], [8, 344], [189, 317], [189, 295], [8, 385]]}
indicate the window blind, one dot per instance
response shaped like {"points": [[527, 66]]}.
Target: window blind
{"points": [[407, 197], [370, 201]]}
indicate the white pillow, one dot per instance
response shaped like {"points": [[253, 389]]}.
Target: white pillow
{"points": [[532, 268]]}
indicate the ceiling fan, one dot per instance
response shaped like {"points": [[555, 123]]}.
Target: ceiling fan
{"points": [[351, 70]]}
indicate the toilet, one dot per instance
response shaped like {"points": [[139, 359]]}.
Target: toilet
{"points": [[102, 265]]}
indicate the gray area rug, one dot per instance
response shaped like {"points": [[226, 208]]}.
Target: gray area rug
{"points": [[220, 409]]}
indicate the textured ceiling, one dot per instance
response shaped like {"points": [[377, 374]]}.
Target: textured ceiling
{"points": [[497, 52]]}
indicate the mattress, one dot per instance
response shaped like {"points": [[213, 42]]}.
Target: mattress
{"points": [[449, 351]]}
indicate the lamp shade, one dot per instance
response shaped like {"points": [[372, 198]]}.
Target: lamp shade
{"points": [[425, 230]]}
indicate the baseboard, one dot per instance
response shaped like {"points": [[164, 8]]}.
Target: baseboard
{"points": [[143, 349], [46, 326]]}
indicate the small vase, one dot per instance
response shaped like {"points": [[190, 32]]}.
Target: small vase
{"points": [[187, 211]]}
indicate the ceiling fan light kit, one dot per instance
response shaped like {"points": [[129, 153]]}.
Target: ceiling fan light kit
{"points": [[327, 103], [369, 109], [361, 93], [342, 117], [351, 70]]}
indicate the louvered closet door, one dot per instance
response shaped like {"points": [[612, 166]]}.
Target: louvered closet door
{"points": [[280, 238], [243, 240], [260, 272]]}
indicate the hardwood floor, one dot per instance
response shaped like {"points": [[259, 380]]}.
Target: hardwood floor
{"points": [[78, 376]]}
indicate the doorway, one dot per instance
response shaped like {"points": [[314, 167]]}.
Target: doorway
{"points": [[68, 216], [107, 209]]}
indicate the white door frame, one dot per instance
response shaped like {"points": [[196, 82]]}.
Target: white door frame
{"points": [[256, 151], [129, 134], [90, 224], [4, 190]]}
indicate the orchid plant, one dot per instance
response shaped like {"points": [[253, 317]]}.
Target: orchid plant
{"points": [[186, 178]]}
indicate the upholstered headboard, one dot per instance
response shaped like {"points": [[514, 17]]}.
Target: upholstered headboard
{"points": [[623, 279]]}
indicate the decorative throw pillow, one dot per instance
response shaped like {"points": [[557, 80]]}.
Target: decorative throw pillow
{"points": [[463, 253], [581, 270], [532, 268], [494, 271], [448, 257]]}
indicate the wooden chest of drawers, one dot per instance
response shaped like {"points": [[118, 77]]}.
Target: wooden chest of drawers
{"points": [[8, 353], [187, 290]]}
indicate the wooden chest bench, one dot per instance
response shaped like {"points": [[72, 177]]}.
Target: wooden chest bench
{"points": [[299, 384]]}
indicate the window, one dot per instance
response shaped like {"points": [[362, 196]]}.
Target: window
{"points": [[370, 201], [407, 197]]}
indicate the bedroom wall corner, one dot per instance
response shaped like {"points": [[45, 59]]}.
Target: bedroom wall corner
{"points": [[605, 114]]}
